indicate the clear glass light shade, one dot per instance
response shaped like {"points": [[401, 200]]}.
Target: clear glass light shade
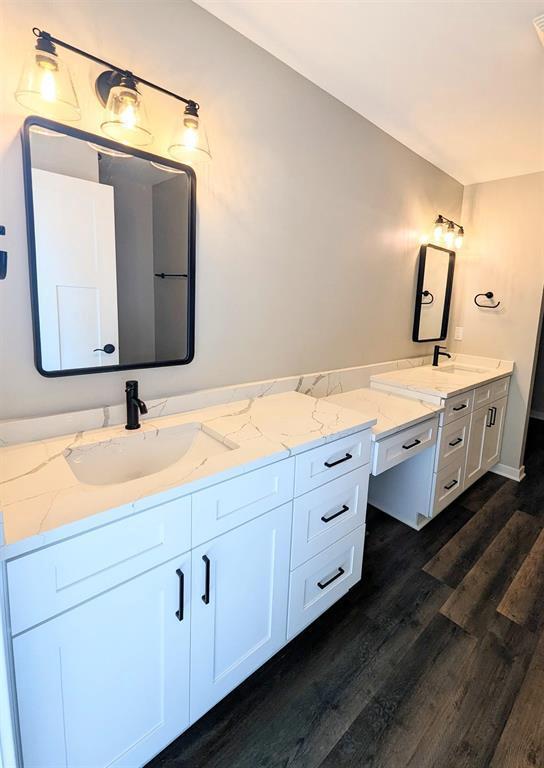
{"points": [[459, 237], [438, 231], [125, 119], [449, 237], [46, 88], [190, 143]]}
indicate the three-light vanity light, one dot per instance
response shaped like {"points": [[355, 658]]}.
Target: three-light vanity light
{"points": [[449, 231], [46, 88]]}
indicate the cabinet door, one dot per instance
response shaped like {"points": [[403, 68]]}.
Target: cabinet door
{"points": [[107, 683], [475, 466], [494, 432], [239, 605]]}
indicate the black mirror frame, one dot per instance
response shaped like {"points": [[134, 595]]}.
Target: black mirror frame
{"points": [[420, 288], [51, 125]]}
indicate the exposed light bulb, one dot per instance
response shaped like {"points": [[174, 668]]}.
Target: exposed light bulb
{"points": [[438, 230], [48, 86]]}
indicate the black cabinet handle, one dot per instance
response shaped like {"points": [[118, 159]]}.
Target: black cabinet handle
{"points": [[493, 416], [323, 584], [206, 595], [330, 464], [459, 407], [490, 416], [412, 445], [456, 441], [326, 519], [109, 349], [179, 612], [450, 485]]}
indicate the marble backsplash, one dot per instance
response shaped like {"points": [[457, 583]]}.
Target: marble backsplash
{"points": [[320, 384]]}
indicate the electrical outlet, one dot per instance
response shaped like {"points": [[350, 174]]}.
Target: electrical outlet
{"points": [[459, 333]]}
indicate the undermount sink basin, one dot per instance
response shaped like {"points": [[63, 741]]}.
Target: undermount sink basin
{"points": [[138, 454], [454, 368]]}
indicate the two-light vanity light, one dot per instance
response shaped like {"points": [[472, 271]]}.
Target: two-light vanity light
{"points": [[46, 88], [449, 231]]}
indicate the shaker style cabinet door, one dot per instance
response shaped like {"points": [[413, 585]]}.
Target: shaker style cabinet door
{"points": [[107, 683], [493, 437], [475, 466], [239, 605]]}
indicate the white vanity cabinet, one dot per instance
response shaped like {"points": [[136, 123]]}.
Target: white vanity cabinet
{"points": [[124, 635], [107, 683], [239, 604]]}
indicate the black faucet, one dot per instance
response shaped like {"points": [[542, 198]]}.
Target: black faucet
{"points": [[437, 352], [135, 406]]}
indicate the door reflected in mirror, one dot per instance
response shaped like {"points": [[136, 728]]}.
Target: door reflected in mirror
{"points": [[433, 293], [111, 236]]}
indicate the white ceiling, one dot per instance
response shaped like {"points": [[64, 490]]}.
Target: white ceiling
{"points": [[460, 83]]}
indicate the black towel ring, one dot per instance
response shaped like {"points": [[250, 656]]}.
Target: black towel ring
{"points": [[488, 295], [427, 293]]}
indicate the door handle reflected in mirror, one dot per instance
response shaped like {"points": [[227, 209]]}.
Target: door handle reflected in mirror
{"points": [[109, 349]]}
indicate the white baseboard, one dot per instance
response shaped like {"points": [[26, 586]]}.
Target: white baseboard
{"points": [[537, 415], [512, 473]]}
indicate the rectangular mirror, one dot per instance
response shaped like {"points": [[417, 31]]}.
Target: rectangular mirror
{"points": [[111, 233], [433, 293]]}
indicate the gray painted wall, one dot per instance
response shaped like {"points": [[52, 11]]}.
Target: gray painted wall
{"points": [[309, 216]]}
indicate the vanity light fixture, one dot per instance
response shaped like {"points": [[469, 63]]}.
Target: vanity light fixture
{"points": [[448, 230], [46, 88]]}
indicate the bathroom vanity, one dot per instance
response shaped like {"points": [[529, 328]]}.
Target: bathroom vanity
{"points": [[459, 408], [133, 604]]}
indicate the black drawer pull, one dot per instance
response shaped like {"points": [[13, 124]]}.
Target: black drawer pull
{"points": [[450, 485], [493, 416], [326, 519], [412, 445], [456, 441], [179, 612], [323, 584], [206, 595], [459, 407], [330, 464]]}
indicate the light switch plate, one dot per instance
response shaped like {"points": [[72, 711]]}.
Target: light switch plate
{"points": [[459, 334]]}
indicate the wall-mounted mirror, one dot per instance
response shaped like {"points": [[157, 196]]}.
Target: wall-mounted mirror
{"points": [[433, 293], [111, 234]]}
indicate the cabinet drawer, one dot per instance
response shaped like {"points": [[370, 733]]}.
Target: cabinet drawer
{"points": [[321, 581], [447, 485], [329, 461], [500, 388], [227, 505], [392, 450], [59, 577], [452, 442], [457, 406], [328, 513]]}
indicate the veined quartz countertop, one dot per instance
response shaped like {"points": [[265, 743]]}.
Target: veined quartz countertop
{"points": [[439, 382], [392, 411], [39, 492]]}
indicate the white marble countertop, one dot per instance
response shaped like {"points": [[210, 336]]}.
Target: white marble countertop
{"points": [[39, 493], [392, 411], [439, 382]]}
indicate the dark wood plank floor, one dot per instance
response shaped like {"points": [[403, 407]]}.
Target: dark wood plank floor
{"points": [[435, 660]]}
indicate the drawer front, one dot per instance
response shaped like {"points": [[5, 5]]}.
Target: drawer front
{"points": [[321, 581], [452, 442], [63, 575], [327, 462], [227, 505], [482, 396], [500, 388], [392, 450], [326, 514], [457, 406], [447, 485]]}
